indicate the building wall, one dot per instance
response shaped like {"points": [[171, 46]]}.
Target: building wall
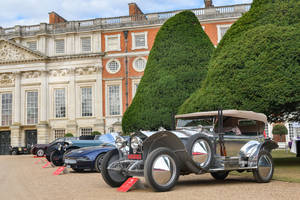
{"points": [[46, 70]]}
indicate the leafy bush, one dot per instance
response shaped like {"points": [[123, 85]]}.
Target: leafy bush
{"points": [[176, 66], [96, 133], [69, 135], [256, 65], [279, 129]]}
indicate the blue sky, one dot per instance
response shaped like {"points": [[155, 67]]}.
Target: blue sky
{"points": [[29, 12]]}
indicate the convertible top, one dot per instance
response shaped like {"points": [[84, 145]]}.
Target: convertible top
{"points": [[228, 113]]}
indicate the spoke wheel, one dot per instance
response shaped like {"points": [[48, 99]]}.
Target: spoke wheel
{"points": [[112, 178], [265, 167], [40, 152]]}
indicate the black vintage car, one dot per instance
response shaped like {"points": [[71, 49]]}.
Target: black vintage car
{"points": [[215, 142], [19, 150]]}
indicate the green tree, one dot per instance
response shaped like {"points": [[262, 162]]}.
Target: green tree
{"points": [[96, 133], [279, 129], [176, 66], [256, 65], [69, 135]]}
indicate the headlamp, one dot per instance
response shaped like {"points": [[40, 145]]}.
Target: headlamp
{"points": [[136, 142]]}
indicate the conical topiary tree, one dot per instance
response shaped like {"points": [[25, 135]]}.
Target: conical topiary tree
{"points": [[176, 66], [256, 65]]}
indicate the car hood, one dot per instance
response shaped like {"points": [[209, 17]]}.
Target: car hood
{"points": [[41, 145], [87, 150]]}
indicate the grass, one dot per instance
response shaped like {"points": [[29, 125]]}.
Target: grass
{"points": [[287, 167]]}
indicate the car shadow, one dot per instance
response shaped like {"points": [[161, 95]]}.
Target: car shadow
{"points": [[230, 180]]}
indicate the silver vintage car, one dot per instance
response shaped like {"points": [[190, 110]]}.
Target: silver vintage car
{"points": [[215, 142]]}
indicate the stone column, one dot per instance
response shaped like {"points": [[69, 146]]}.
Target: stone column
{"points": [[16, 120], [72, 126], [99, 123], [42, 127]]}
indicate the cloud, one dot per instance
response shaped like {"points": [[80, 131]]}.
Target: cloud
{"points": [[28, 12]]}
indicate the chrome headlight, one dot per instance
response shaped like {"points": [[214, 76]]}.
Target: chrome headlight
{"points": [[120, 142], [136, 142]]}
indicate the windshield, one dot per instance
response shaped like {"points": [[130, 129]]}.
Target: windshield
{"points": [[207, 123], [106, 138], [57, 140]]}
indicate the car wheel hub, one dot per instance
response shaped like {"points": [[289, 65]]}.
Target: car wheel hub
{"points": [[163, 170], [201, 152], [264, 166]]}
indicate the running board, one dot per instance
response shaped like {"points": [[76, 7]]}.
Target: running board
{"points": [[240, 168]]}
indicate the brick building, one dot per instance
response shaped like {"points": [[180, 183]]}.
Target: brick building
{"points": [[80, 76]]}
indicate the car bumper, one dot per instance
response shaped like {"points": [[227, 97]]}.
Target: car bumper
{"points": [[78, 164]]}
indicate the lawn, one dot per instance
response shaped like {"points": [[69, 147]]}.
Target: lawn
{"points": [[287, 167]]}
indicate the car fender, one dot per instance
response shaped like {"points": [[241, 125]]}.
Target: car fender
{"points": [[267, 145], [171, 141]]}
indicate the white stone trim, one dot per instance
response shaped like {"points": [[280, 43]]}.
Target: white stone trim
{"points": [[138, 53], [133, 34], [219, 30], [135, 81], [134, 63], [107, 66], [107, 48]]}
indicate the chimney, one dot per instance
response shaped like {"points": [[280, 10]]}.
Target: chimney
{"points": [[55, 18], [134, 9], [208, 3]]}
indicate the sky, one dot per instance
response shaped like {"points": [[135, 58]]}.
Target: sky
{"points": [[30, 12]]}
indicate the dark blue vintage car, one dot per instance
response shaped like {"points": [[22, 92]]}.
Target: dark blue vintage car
{"points": [[90, 157]]}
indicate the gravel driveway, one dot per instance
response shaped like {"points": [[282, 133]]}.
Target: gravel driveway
{"points": [[21, 179]]}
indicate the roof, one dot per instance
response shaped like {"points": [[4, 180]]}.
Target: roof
{"points": [[228, 113]]}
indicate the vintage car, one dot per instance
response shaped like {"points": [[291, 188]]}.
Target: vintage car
{"points": [[62, 149], [215, 142]]}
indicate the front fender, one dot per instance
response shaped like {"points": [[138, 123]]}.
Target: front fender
{"points": [[267, 145], [171, 141]]}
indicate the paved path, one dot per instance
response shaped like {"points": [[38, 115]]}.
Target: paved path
{"points": [[21, 179]]}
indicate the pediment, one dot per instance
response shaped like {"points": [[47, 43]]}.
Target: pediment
{"points": [[13, 52]]}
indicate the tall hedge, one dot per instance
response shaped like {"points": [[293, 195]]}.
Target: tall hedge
{"points": [[256, 65], [176, 66]]}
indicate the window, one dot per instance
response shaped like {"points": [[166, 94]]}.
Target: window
{"points": [[291, 131], [112, 42], [32, 45], [60, 104], [6, 114], [113, 66], [134, 88], [86, 44], [114, 106], [32, 107], [222, 29], [267, 130], [60, 46], [86, 131], [139, 64], [86, 102], [59, 133], [139, 40]]}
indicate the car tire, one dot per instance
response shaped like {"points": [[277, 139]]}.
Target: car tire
{"points": [[208, 148], [98, 162], [265, 167], [56, 159], [161, 169], [14, 152], [78, 170], [40, 153], [112, 178], [220, 176]]}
